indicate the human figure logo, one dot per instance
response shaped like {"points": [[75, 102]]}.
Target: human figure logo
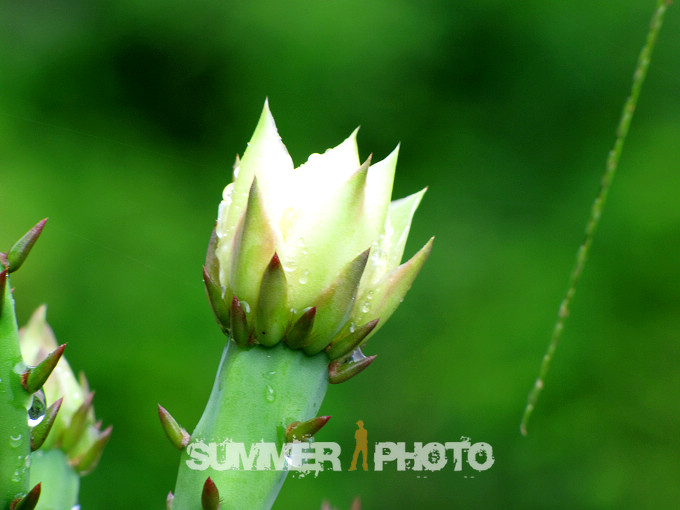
{"points": [[361, 437]]}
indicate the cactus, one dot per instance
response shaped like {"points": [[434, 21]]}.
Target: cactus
{"points": [[44, 449], [303, 267], [20, 387]]}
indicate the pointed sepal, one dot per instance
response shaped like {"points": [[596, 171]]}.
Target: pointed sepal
{"points": [[177, 435], [29, 501], [210, 496], [299, 334], [389, 292], [88, 461], [33, 378], [78, 425], [328, 234], [84, 384], [212, 263], [272, 304], [304, 431], [239, 323], [40, 432], [219, 307], [265, 153], [345, 344], [335, 304], [342, 370], [18, 253], [169, 500], [253, 248]]}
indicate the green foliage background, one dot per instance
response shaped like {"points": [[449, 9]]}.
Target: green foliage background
{"points": [[120, 121]]}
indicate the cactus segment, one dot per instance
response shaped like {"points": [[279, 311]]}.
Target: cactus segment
{"points": [[14, 401], [257, 393], [3, 283]]}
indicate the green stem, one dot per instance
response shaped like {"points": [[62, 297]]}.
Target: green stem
{"points": [[15, 441], [258, 392], [598, 206], [60, 482]]}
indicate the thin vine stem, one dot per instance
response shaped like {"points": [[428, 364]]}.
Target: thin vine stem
{"points": [[597, 207]]}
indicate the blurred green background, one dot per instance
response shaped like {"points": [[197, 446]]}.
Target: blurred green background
{"points": [[120, 121]]}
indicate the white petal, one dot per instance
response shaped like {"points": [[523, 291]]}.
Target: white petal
{"points": [[335, 165], [378, 193], [386, 253], [322, 234], [268, 157]]}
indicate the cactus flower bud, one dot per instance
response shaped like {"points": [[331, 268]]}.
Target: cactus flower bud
{"points": [[74, 429], [323, 237], [304, 263]]}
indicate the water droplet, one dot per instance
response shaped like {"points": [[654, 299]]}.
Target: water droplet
{"points": [[16, 477], [14, 440], [365, 307], [269, 393], [301, 242], [369, 295], [227, 193], [292, 461], [76, 507], [357, 355], [270, 374], [245, 306], [36, 412], [32, 422], [290, 266], [351, 327], [304, 278]]}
